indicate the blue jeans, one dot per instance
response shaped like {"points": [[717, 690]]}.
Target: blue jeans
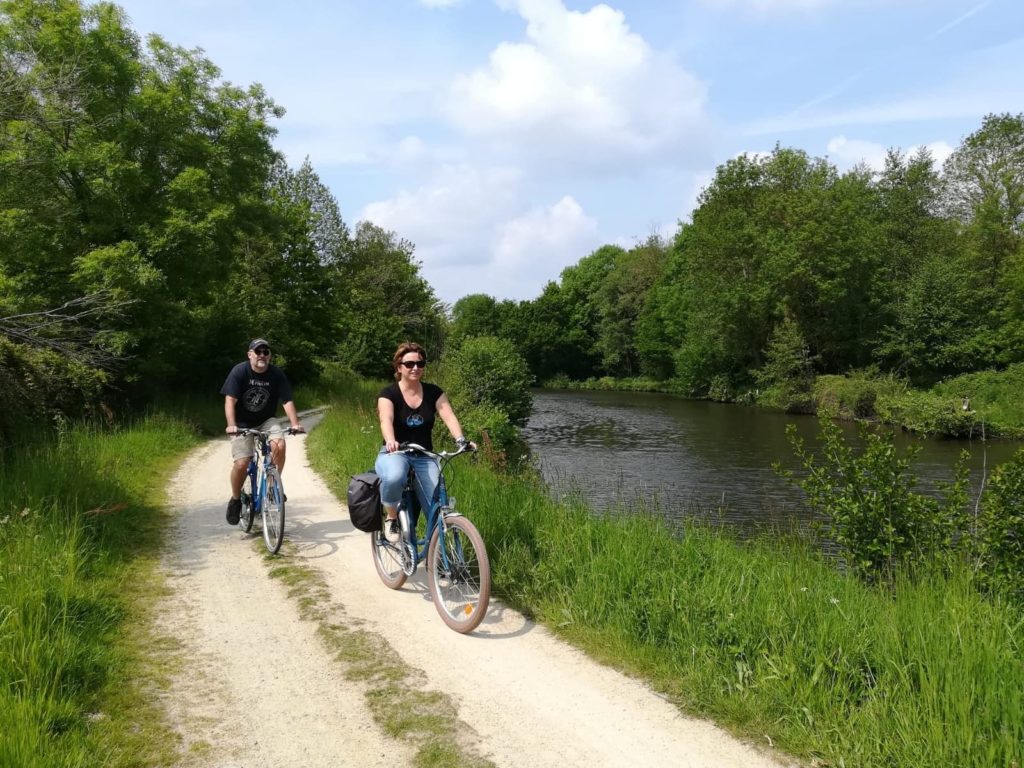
{"points": [[393, 469]]}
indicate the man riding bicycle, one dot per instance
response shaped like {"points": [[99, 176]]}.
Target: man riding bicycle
{"points": [[251, 392]]}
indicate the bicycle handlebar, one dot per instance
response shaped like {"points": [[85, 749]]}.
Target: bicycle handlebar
{"points": [[244, 431], [416, 448]]}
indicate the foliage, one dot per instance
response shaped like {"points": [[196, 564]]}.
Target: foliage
{"points": [[383, 300], [788, 371], [875, 515], [487, 371], [1001, 530], [927, 413], [855, 395], [40, 385]]}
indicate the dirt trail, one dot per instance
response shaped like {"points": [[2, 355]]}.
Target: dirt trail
{"points": [[258, 687]]}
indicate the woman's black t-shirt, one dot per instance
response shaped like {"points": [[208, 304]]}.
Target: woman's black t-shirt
{"points": [[414, 425]]}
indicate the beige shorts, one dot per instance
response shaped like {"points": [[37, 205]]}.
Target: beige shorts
{"points": [[242, 445]]}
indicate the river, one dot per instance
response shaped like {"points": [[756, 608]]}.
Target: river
{"points": [[695, 458]]}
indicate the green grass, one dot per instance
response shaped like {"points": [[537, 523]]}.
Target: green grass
{"points": [[765, 636], [80, 526]]}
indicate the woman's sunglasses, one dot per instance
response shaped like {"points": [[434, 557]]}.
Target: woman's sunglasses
{"points": [[410, 364]]}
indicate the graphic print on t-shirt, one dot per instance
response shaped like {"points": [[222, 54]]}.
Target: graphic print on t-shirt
{"points": [[255, 398], [414, 420]]}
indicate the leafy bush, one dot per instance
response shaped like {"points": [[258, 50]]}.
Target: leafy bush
{"points": [[994, 396], [876, 516], [788, 371], [486, 370], [1001, 530], [855, 395], [929, 414], [38, 385]]}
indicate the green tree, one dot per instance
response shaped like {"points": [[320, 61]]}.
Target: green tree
{"points": [[984, 192], [620, 299], [127, 172], [386, 301]]}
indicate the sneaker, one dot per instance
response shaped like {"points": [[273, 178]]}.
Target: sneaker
{"points": [[234, 511], [392, 530]]}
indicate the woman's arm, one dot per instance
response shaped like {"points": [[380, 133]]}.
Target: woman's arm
{"points": [[447, 414], [386, 412]]}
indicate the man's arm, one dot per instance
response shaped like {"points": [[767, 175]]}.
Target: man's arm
{"points": [[293, 416], [229, 413]]}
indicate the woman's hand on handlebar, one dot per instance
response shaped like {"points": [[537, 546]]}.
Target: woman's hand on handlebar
{"points": [[391, 446]]}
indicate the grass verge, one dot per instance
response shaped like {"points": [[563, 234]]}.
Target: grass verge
{"points": [[80, 530]]}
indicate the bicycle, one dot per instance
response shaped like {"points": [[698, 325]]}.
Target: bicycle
{"points": [[458, 571], [263, 491]]}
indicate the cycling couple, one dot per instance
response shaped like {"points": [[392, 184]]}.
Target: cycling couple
{"points": [[407, 409]]}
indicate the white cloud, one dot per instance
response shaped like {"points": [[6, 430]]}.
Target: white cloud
{"points": [[846, 153], [583, 90], [473, 234]]}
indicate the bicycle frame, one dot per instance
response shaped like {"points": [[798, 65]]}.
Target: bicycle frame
{"points": [[458, 569], [267, 498], [434, 516], [258, 465]]}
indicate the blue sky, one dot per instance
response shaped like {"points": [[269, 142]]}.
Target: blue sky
{"points": [[507, 139]]}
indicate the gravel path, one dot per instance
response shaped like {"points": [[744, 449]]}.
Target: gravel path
{"points": [[257, 685]]}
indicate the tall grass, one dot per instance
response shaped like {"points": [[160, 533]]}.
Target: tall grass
{"points": [[766, 636], [80, 526]]}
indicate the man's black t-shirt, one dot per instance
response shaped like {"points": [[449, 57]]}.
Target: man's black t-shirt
{"points": [[257, 393], [414, 425]]}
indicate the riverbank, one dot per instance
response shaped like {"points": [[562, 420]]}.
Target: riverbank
{"points": [[765, 636], [976, 405]]}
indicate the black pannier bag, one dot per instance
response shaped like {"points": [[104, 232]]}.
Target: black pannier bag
{"points": [[364, 501]]}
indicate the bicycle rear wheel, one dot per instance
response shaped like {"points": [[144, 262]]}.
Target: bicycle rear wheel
{"points": [[388, 559], [459, 574], [273, 512], [245, 517]]}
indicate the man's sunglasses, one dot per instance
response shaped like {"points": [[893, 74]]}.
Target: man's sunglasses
{"points": [[262, 351], [410, 364]]}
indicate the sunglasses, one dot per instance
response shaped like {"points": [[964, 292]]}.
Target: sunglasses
{"points": [[410, 364], [262, 351]]}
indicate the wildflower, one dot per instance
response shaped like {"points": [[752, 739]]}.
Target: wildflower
{"points": [[834, 600], [803, 589]]}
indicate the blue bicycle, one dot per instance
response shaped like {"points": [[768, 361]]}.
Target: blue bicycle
{"points": [[458, 571], [263, 491]]}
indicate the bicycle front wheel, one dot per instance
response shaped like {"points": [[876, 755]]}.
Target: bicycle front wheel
{"points": [[388, 558], [459, 574], [248, 505], [273, 512]]}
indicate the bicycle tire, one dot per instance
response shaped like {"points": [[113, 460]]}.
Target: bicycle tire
{"points": [[248, 513], [273, 512], [387, 559], [460, 587]]}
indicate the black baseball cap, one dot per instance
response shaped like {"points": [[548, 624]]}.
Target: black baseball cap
{"points": [[256, 343]]}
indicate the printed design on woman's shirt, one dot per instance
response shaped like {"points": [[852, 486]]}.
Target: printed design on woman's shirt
{"points": [[256, 398], [414, 420]]}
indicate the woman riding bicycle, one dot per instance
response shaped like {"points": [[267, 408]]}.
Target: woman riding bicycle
{"points": [[407, 409]]}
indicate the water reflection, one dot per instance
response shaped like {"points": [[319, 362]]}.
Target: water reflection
{"points": [[698, 458]]}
